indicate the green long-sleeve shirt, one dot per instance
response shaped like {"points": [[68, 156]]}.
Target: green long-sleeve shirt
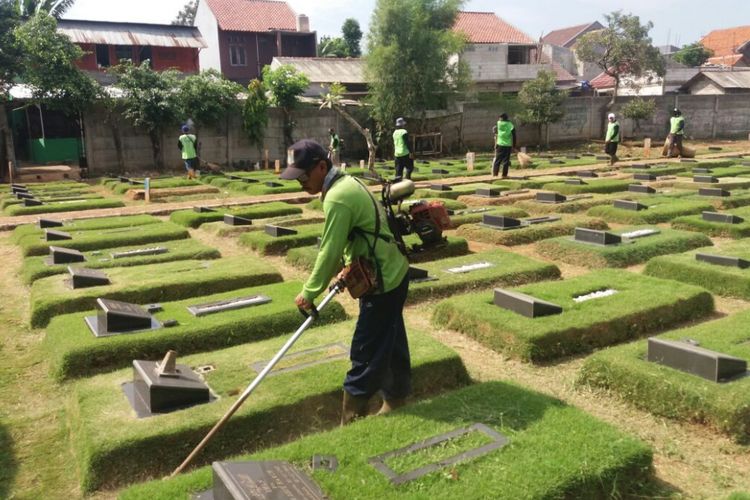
{"points": [[347, 205]]}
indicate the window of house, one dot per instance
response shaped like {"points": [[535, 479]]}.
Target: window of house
{"points": [[146, 53], [102, 56], [237, 56], [123, 52], [518, 54]]}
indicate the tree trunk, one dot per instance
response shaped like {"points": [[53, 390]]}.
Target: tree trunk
{"points": [[611, 102], [155, 137], [288, 128], [365, 133], [117, 138]]}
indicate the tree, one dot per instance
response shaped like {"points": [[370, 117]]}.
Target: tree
{"points": [[333, 100], [542, 102], [255, 113], [285, 84], [332, 47], [622, 48], [55, 8], [639, 109], [186, 17], [352, 36], [693, 55], [10, 54], [410, 48], [149, 101]]}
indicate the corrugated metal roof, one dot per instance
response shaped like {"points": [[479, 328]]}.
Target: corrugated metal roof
{"points": [[155, 35], [729, 79], [326, 69]]}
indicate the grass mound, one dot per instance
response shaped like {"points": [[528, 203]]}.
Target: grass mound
{"points": [[728, 183], [105, 238], [730, 170], [266, 244], [86, 225], [191, 218], [591, 186], [472, 215], [56, 207], [566, 225], [660, 209], [457, 190], [661, 390], [286, 404], [75, 352], [641, 305], [150, 283], [555, 451], [35, 268], [657, 170], [738, 198], [163, 183], [628, 253], [719, 229], [569, 206]]}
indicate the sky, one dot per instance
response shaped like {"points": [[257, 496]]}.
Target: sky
{"points": [[677, 22]]}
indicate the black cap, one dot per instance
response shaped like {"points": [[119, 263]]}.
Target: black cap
{"points": [[301, 157]]}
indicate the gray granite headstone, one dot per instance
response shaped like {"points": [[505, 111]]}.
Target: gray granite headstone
{"points": [[86, 278], [644, 177], [268, 480], [550, 197], [722, 260], [440, 171], [596, 237], [488, 192], [52, 235], [701, 170], [24, 196], [577, 182], [523, 304], [440, 187], [690, 358], [500, 221], [138, 252], [32, 203], [236, 220], [273, 184], [587, 173], [722, 218], [629, 205], [116, 317], [277, 231], [155, 393], [713, 192], [640, 188], [203, 210], [705, 179], [59, 255], [45, 223]]}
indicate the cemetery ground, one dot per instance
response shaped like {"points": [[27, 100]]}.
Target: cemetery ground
{"points": [[691, 460]]}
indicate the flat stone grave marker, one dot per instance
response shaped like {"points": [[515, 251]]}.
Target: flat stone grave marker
{"points": [[440, 171], [640, 165], [203, 210], [691, 358], [540, 220], [701, 170], [139, 252], [14, 190], [467, 268], [52, 235], [24, 196], [32, 203], [418, 275], [228, 305], [278, 231], [577, 182], [722, 260], [557, 162], [115, 317], [248, 180], [587, 173], [236, 220], [525, 305], [440, 187], [714, 148], [713, 192], [550, 197], [500, 222], [705, 178], [640, 188], [596, 237], [639, 233], [273, 184], [305, 358], [86, 278], [488, 192], [20, 186], [328, 463], [497, 442], [59, 255], [271, 480], [644, 177], [153, 391], [45, 223], [629, 205], [721, 218]]}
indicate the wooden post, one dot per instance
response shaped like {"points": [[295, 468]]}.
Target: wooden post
{"points": [[362, 164], [147, 189], [647, 147], [265, 159], [277, 166], [470, 161]]}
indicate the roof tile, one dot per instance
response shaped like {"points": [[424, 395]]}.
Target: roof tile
{"points": [[725, 42], [563, 36], [253, 15], [486, 27]]}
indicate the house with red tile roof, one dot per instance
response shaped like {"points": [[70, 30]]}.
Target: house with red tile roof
{"points": [[559, 46], [731, 46], [500, 56], [243, 36]]}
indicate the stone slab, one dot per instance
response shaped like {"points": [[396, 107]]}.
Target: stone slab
{"points": [[550, 197], [86, 278], [164, 393], [639, 188], [228, 305], [629, 205], [268, 480], [278, 231], [139, 252], [46, 223], [713, 192], [690, 358], [644, 177], [236, 220], [596, 237], [440, 187], [500, 221], [707, 179], [587, 173], [32, 203], [59, 255], [721, 218], [722, 260], [523, 304], [488, 192], [203, 210]]}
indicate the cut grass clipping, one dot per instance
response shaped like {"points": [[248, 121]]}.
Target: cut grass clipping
{"points": [[288, 403], [554, 451], [629, 252], [106, 238], [191, 218], [98, 224], [151, 283], [719, 229], [35, 268], [75, 352], [664, 391], [61, 206], [640, 305], [660, 209], [722, 280], [535, 232]]}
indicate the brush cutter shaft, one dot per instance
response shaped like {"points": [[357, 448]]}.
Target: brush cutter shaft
{"points": [[336, 288]]}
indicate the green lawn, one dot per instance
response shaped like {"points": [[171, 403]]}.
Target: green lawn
{"points": [[719, 229], [191, 218], [592, 186], [659, 209], [566, 225], [270, 245], [57, 207], [572, 205], [728, 183], [86, 225]]}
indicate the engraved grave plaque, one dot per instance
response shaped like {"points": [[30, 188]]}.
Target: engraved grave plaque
{"points": [[577, 182], [267, 480], [550, 197], [86, 278], [722, 218], [713, 192], [587, 173], [523, 304], [440, 187], [540, 220], [709, 179], [139, 252], [273, 184], [32, 203], [488, 192], [115, 317], [500, 222], [45, 223], [52, 235], [236, 220], [596, 237], [644, 177], [440, 171], [277, 231], [59, 255], [228, 305], [629, 205], [722, 260], [690, 358], [203, 210], [701, 170], [639, 188], [305, 358], [151, 393]]}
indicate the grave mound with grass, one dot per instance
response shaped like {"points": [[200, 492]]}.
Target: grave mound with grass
{"points": [[505, 198], [733, 224], [63, 206], [34, 268], [657, 170], [74, 351], [301, 395], [565, 225], [98, 224], [730, 170], [472, 215], [599, 309], [572, 204], [456, 190], [194, 218], [601, 186], [723, 199], [267, 244], [637, 244], [162, 183], [67, 198], [664, 389], [536, 447], [105, 238], [225, 229], [53, 296], [728, 183], [722, 270], [651, 209]]}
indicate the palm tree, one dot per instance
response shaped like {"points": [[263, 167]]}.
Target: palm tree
{"points": [[56, 8]]}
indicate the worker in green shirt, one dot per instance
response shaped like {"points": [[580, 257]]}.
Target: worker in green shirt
{"points": [[505, 143], [676, 133], [404, 159], [612, 139], [356, 227], [189, 147], [333, 147]]}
